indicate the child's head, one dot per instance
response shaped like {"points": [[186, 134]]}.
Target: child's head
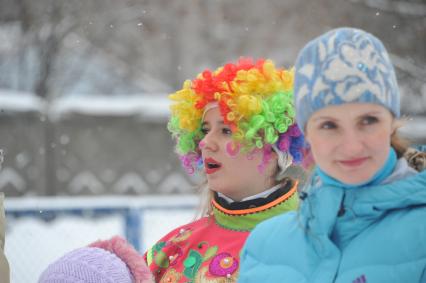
{"points": [[235, 123], [112, 260], [347, 99], [87, 265]]}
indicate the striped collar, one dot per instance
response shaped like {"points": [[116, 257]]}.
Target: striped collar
{"points": [[245, 215]]}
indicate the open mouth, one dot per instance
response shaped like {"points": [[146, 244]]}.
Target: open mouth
{"points": [[211, 165]]}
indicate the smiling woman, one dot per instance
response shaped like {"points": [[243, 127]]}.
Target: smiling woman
{"points": [[236, 125], [351, 141], [361, 219]]}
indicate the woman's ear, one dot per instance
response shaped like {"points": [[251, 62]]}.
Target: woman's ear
{"points": [[273, 166], [273, 161], [396, 124], [274, 155], [306, 136]]}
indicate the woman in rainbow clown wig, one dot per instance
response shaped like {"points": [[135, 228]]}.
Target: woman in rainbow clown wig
{"points": [[235, 124]]}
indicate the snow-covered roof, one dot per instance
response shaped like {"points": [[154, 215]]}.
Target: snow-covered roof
{"points": [[18, 101], [152, 106], [146, 106]]}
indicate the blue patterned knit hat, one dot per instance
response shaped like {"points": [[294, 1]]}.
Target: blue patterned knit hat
{"points": [[341, 66]]}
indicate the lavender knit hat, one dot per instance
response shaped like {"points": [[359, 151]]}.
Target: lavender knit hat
{"points": [[343, 65], [87, 265]]}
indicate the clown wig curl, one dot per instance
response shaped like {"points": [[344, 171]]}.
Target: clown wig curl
{"points": [[254, 98]]}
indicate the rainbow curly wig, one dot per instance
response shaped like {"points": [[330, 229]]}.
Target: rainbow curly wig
{"points": [[254, 98]]}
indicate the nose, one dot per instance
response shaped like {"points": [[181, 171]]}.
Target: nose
{"points": [[351, 142], [209, 143]]}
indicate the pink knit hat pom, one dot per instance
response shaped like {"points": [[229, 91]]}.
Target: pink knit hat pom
{"points": [[134, 261]]}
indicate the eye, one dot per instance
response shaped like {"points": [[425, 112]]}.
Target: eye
{"points": [[226, 131], [369, 120], [205, 130], [328, 125]]}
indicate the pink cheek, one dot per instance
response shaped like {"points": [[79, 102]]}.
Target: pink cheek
{"points": [[232, 149]]}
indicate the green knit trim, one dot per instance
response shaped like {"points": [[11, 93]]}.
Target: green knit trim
{"points": [[247, 222]]}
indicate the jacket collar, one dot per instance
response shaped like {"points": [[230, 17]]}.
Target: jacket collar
{"points": [[341, 214]]}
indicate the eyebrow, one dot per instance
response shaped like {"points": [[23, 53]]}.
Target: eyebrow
{"points": [[373, 113], [219, 122], [323, 118], [377, 113]]}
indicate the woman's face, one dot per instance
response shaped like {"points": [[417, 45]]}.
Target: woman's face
{"points": [[350, 142], [229, 171]]}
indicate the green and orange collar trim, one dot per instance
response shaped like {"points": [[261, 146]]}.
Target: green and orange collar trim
{"points": [[247, 218]]}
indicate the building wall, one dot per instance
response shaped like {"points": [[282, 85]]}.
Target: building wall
{"points": [[89, 155]]}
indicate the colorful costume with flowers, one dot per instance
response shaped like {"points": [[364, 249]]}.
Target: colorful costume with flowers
{"points": [[255, 101], [208, 250]]}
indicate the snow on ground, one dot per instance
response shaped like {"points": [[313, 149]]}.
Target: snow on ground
{"points": [[31, 244], [40, 230]]}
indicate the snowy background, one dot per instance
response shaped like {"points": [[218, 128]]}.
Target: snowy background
{"points": [[83, 104], [40, 230]]}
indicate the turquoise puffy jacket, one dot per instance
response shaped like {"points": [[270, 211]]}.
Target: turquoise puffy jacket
{"points": [[371, 234]]}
